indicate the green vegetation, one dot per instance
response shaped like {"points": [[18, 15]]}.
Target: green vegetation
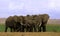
{"points": [[50, 28], [2, 28], [53, 28]]}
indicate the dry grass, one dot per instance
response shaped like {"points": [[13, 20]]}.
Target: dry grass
{"points": [[29, 34]]}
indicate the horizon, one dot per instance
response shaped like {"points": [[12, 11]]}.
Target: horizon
{"points": [[31, 7]]}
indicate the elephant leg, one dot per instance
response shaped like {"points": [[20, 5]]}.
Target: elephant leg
{"points": [[27, 29], [11, 29], [35, 29], [14, 29], [44, 28], [22, 29], [6, 29], [31, 28], [39, 29]]}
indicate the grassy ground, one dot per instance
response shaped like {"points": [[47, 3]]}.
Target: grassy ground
{"points": [[50, 28], [2, 28], [53, 28]]}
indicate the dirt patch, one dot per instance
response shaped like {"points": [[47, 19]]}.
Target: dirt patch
{"points": [[29, 34]]}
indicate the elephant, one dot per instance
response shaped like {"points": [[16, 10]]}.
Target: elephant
{"points": [[36, 23], [12, 22], [44, 20]]}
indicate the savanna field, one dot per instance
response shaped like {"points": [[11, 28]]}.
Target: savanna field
{"points": [[52, 30]]}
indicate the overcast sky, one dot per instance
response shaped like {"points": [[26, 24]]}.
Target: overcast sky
{"points": [[24, 7]]}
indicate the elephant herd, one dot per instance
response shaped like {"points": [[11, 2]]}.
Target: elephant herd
{"points": [[29, 23]]}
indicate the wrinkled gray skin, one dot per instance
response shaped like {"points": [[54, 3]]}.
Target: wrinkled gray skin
{"points": [[42, 25], [12, 22]]}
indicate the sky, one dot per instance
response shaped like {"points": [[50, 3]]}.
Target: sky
{"points": [[31, 7]]}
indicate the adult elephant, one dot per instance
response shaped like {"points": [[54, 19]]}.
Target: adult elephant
{"points": [[43, 21], [13, 22]]}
